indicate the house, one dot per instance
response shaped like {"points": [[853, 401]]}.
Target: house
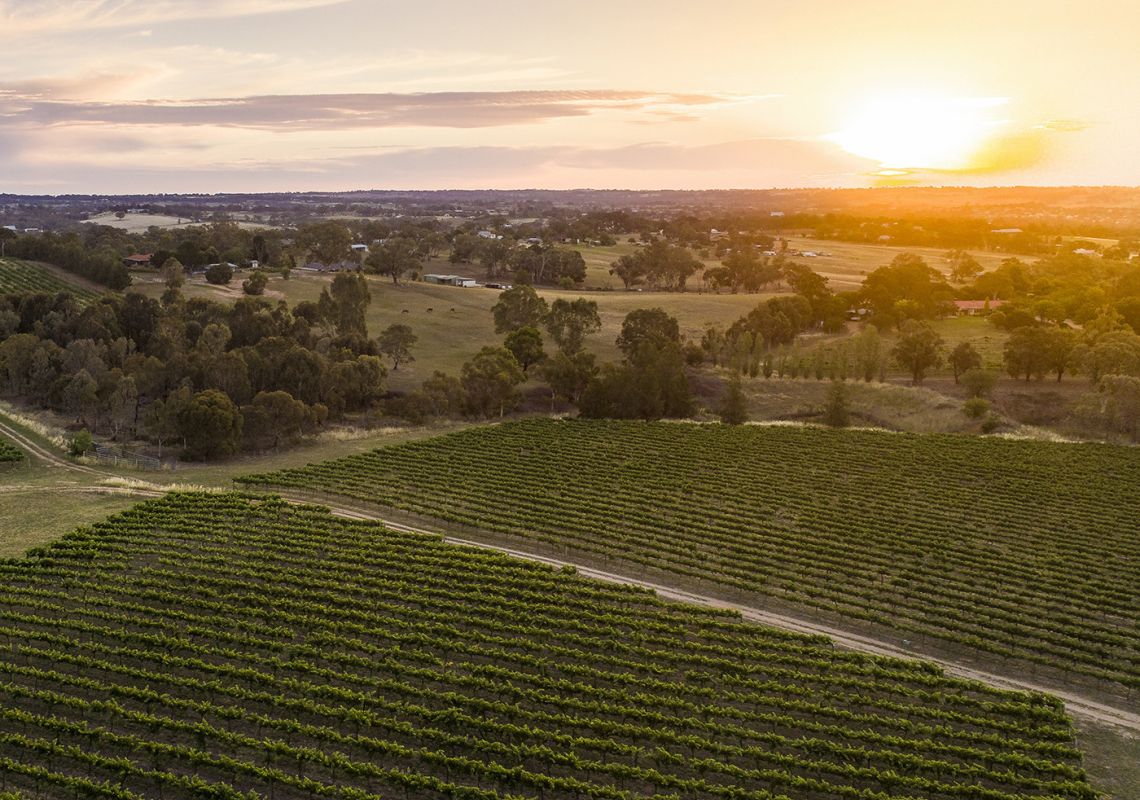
{"points": [[488, 235], [975, 308], [775, 213], [1006, 231], [138, 260], [501, 286], [450, 280], [11, 228], [359, 248]]}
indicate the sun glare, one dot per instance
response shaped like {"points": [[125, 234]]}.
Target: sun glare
{"points": [[905, 132]]}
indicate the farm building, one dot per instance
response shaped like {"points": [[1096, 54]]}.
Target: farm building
{"points": [[450, 280], [138, 260], [974, 308]]}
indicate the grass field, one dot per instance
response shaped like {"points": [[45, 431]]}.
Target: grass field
{"points": [[222, 646], [17, 275], [460, 322], [1024, 551], [845, 265], [139, 223], [849, 262]]}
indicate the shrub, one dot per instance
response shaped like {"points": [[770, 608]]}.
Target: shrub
{"points": [[836, 412], [979, 382], [976, 407], [219, 274], [82, 442]]}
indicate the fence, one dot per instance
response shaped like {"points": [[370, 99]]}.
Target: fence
{"points": [[120, 456]]}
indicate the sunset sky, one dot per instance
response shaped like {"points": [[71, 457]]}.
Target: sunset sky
{"points": [[268, 95]]}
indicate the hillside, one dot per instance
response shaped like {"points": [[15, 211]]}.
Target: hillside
{"points": [[221, 646], [1007, 549]]}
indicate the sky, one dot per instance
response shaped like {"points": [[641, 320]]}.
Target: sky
{"points": [[144, 96]]}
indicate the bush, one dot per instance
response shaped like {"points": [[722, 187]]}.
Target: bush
{"points": [[219, 274], [979, 382], [256, 283], [82, 443], [976, 407], [991, 423], [836, 412]]}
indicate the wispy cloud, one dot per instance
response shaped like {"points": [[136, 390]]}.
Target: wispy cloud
{"points": [[55, 16], [341, 111]]}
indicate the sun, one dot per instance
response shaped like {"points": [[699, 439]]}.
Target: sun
{"points": [[908, 132]]}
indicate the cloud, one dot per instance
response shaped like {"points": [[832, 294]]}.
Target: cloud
{"points": [[56, 16], [340, 111], [150, 165], [1065, 125]]}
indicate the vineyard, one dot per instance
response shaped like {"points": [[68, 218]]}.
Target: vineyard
{"points": [[225, 646], [25, 276], [1021, 550]]}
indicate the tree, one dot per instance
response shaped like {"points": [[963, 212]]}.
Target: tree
{"points": [[444, 394], [80, 393], [868, 351], [273, 418], [326, 242], [979, 382], [963, 266], [631, 269], [569, 322], [494, 254], [162, 418], [734, 405], [211, 426], [1026, 352], [525, 345], [1121, 404], [489, 381], [652, 326], [910, 279], [1059, 344], [343, 303], [836, 412], [396, 342], [569, 374], [219, 274], [173, 275], [1113, 353], [397, 256], [964, 358], [919, 348], [650, 385], [518, 307], [256, 283]]}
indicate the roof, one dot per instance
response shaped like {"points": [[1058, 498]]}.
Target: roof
{"points": [[140, 257]]}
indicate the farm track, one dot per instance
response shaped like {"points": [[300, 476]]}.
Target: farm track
{"points": [[1075, 704]]}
